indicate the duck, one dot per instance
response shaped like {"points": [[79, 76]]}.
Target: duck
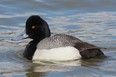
{"points": [[58, 47]]}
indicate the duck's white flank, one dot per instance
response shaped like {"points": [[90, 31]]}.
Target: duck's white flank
{"points": [[61, 54]]}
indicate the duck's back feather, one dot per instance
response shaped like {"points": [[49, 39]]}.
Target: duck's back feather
{"points": [[58, 40]]}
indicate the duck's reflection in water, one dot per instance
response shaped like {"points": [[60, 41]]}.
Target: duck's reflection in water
{"points": [[43, 68]]}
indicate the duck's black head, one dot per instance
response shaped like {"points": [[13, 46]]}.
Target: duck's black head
{"points": [[37, 28]]}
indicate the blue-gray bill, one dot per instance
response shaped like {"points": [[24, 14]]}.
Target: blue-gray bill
{"points": [[20, 36]]}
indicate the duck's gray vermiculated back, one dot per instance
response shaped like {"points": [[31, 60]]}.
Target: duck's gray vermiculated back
{"points": [[59, 40]]}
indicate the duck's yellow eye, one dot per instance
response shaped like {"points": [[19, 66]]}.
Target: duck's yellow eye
{"points": [[33, 27]]}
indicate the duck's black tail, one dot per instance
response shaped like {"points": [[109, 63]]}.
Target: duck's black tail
{"points": [[92, 53], [89, 51]]}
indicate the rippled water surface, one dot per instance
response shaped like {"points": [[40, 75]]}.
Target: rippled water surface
{"points": [[93, 21]]}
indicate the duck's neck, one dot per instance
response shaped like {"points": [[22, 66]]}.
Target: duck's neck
{"points": [[32, 46], [30, 49]]}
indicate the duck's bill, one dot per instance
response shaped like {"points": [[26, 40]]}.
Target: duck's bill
{"points": [[20, 36]]}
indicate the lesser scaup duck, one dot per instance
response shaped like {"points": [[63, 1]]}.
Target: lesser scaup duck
{"points": [[57, 47]]}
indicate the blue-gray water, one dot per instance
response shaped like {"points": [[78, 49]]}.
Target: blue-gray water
{"points": [[93, 21]]}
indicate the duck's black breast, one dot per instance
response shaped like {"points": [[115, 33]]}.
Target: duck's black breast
{"points": [[30, 49]]}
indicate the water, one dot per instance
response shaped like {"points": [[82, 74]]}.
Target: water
{"points": [[93, 21]]}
